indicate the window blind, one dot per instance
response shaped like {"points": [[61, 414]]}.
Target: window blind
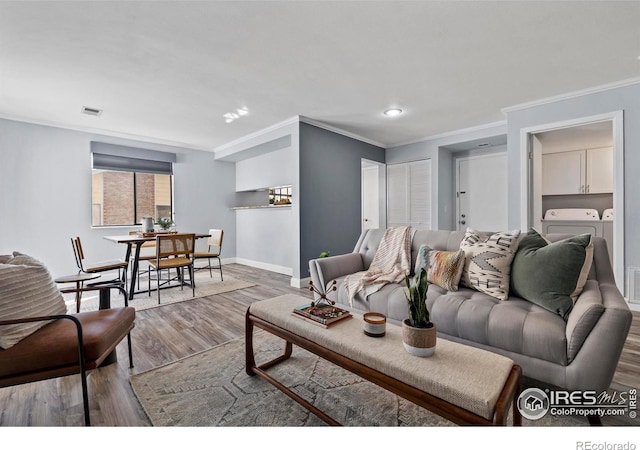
{"points": [[131, 159]]}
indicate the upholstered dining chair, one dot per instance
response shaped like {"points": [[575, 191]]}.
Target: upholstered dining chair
{"points": [[101, 267], [214, 248], [173, 251]]}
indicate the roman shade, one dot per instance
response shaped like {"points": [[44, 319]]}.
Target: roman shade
{"points": [[131, 159]]}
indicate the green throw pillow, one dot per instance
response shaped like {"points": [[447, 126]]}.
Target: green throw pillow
{"points": [[551, 274]]}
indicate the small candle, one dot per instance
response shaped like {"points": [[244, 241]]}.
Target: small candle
{"points": [[374, 324]]}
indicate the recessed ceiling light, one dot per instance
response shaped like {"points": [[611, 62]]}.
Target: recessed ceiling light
{"points": [[231, 116], [392, 112]]}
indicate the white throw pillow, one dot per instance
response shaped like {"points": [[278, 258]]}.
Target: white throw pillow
{"points": [[26, 290], [488, 258]]}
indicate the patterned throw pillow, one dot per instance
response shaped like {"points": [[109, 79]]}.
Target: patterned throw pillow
{"points": [[26, 290], [443, 268], [488, 261]]}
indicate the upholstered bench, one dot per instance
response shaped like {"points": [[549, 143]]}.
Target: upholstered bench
{"points": [[464, 384]]}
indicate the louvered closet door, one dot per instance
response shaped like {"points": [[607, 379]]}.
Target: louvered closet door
{"points": [[420, 194], [409, 194], [397, 195]]}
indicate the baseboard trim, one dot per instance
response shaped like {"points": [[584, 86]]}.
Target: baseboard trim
{"points": [[266, 266], [300, 282]]}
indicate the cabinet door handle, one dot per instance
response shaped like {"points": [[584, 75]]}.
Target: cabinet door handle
{"points": [[587, 188], [582, 189]]}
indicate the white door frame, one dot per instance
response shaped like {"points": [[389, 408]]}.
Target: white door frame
{"points": [[457, 179], [382, 191], [526, 184]]}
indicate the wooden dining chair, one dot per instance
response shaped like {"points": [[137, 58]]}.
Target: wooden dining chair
{"points": [[214, 248], [101, 267], [173, 251]]}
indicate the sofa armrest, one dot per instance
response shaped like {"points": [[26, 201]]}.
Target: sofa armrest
{"points": [[583, 317], [324, 270], [596, 342]]}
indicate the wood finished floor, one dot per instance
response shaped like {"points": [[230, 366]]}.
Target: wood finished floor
{"points": [[166, 334]]}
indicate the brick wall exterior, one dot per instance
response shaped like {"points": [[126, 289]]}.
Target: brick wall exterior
{"points": [[116, 193], [146, 193]]}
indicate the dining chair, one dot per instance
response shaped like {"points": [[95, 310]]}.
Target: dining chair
{"points": [[147, 253], [173, 251], [101, 267], [214, 248]]}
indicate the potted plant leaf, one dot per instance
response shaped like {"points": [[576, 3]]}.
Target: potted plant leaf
{"points": [[165, 223], [418, 332]]}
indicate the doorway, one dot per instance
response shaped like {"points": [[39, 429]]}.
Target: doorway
{"points": [[481, 192], [532, 151], [372, 202]]}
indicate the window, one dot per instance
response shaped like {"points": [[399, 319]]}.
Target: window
{"points": [[280, 195], [125, 188]]}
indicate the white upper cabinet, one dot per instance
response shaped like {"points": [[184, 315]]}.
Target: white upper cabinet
{"points": [[600, 170], [578, 172]]}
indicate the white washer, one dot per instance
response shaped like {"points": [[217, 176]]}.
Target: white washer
{"points": [[572, 221], [572, 214]]}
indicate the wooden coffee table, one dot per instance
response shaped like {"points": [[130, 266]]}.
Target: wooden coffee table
{"points": [[463, 384]]}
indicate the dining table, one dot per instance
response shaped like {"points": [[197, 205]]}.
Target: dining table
{"points": [[134, 244]]}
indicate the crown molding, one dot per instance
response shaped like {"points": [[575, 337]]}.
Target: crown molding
{"points": [[337, 130], [573, 94], [257, 134], [104, 132], [501, 123]]}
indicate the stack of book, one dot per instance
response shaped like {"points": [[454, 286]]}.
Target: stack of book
{"points": [[322, 315]]}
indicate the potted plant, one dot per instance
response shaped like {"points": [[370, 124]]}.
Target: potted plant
{"points": [[165, 223], [418, 332]]}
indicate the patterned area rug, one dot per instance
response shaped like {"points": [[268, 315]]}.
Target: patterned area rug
{"points": [[205, 285], [211, 388]]}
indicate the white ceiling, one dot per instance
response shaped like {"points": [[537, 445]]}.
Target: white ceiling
{"points": [[168, 71]]}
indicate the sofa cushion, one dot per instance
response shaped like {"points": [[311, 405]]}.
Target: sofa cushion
{"points": [[551, 275], [443, 268], [516, 326], [488, 260], [26, 290]]}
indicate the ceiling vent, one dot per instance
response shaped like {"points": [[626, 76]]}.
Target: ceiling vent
{"points": [[91, 111]]}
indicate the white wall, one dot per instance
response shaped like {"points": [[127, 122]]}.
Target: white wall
{"points": [[265, 238], [45, 194], [269, 170]]}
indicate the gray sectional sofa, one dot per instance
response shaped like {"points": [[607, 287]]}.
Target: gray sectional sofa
{"points": [[580, 353]]}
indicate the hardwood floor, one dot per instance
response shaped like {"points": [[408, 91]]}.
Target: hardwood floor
{"points": [[165, 334]]}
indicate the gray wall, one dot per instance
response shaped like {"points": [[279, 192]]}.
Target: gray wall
{"points": [[45, 194], [330, 192], [625, 98]]}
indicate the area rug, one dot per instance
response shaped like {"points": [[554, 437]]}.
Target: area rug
{"points": [[211, 389], [205, 286]]}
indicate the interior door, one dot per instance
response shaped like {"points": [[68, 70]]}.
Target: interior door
{"points": [[370, 197], [482, 192]]}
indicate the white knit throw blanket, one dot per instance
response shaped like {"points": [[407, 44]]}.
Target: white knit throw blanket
{"points": [[390, 264]]}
